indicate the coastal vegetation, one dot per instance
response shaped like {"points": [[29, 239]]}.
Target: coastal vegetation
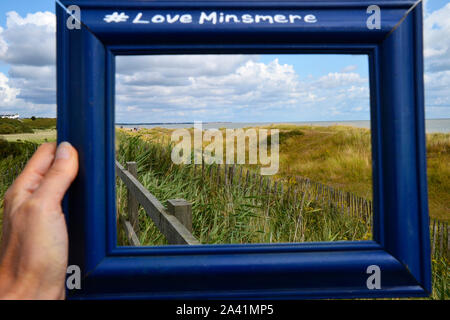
{"points": [[340, 157], [259, 210], [10, 126], [234, 207], [252, 211]]}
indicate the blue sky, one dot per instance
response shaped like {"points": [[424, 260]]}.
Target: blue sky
{"points": [[240, 88], [320, 64]]}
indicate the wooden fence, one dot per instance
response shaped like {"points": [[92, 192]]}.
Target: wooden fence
{"points": [[175, 223], [326, 196], [440, 238], [238, 176]]}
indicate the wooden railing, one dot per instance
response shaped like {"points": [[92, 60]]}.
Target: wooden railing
{"points": [[175, 223]]}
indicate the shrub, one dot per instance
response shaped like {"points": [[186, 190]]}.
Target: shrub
{"points": [[18, 150], [40, 123], [8, 126]]}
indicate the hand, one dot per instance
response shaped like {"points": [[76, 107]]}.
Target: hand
{"points": [[34, 250]]}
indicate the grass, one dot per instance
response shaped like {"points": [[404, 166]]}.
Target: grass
{"points": [[247, 210], [438, 169], [38, 136], [40, 123], [228, 213], [37, 130]]}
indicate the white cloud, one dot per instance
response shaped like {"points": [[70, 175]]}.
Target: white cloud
{"points": [[337, 79], [437, 62], [3, 44], [172, 65], [27, 45], [249, 91], [349, 68], [29, 40], [7, 94], [437, 39]]}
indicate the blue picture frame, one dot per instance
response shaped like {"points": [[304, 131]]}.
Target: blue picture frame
{"points": [[86, 74]]}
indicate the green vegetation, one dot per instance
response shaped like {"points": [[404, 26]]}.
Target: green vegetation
{"points": [[40, 123], [340, 157], [37, 130], [230, 213], [39, 136], [336, 156], [11, 126], [438, 167]]}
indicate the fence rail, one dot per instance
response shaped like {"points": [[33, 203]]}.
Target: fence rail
{"points": [[345, 202], [169, 224]]}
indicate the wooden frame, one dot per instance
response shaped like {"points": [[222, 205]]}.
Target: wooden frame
{"points": [[400, 247]]}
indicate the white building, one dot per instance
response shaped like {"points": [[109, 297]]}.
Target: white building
{"points": [[9, 116]]}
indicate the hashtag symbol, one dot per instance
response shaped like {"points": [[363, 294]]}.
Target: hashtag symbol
{"points": [[116, 17]]}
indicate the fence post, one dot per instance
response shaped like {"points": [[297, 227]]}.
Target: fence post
{"points": [[133, 205], [218, 175], [247, 180], [182, 210], [225, 175], [240, 177], [130, 233], [433, 238]]}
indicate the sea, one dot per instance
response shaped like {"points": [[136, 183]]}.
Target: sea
{"points": [[431, 125]]}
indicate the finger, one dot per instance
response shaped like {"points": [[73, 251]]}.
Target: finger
{"points": [[33, 173], [60, 175]]}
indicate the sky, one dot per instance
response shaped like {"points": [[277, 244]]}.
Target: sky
{"points": [[244, 88]]}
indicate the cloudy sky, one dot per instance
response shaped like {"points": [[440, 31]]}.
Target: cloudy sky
{"points": [[213, 88]]}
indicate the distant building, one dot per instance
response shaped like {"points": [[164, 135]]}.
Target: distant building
{"points": [[9, 116]]}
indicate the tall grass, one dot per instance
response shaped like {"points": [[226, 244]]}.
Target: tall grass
{"points": [[438, 170], [247, 209], [340, 157], [228, 213], [244, 211]]}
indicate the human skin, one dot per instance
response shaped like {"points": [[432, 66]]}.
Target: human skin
{"points": [[34, 247]]}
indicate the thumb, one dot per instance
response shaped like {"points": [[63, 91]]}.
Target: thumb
{"points": [[60, 175]]}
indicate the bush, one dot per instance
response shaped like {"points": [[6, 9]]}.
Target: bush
{"points": [[40, 123], [20, 150], [8, 126]]}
